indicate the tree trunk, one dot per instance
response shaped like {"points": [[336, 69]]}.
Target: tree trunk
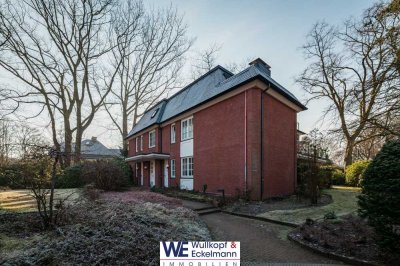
{"points": [[348, 157], [124, 131], [79, 133], [67, 143]]}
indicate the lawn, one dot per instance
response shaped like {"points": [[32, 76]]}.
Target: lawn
{"points": [[21, 200], [344, 202]]}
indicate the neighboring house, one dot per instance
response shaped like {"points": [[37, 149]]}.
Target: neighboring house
{"points": [[223, 131], [306, 152], [92, 149]]}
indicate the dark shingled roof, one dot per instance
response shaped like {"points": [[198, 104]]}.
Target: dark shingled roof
{"points": [[94, 149], [209, 86]]}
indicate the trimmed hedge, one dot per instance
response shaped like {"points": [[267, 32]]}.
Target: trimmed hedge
{"points": [[354, 173], [380, 197]]}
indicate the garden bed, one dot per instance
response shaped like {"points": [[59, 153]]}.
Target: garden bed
{"points": [[119, 229], [192, 195], [344, 202], [349, 238], [289, 203]]}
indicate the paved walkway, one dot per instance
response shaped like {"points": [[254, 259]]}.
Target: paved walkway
{"points": [[261, 242]]}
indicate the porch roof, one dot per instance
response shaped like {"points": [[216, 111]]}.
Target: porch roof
{"points": [[147, 157]]}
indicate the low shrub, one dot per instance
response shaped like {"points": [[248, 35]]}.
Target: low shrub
{"points": [[380, 197], [105, 174], [338, 177], [125, 168], [355, 172], [90, 192], [325, 176], [331, 215], [70, 178], [12, 176]]}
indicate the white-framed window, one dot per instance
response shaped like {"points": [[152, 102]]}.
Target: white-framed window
{"points": [[141, 142], [173, 169], [137, 144], [173, 133], [152, 139], [187, 167], [187, 128]]}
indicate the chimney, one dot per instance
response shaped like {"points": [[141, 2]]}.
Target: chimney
{"points": [[261, 65], [94, 139]]}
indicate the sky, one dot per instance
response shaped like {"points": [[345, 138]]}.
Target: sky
{"points": [[273, 30]]}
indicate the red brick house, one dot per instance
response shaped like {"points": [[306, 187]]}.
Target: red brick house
{"points": [[226, 131]]}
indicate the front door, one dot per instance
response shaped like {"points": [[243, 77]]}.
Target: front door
{"points": [[152, 173], [165, 173]]}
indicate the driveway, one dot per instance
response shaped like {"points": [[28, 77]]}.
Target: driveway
{"points": [[260, 242]]}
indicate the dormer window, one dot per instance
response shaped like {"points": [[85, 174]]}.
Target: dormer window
{"points": [[154, 113]]}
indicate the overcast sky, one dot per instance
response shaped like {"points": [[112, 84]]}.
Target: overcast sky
{"points": [[272, 30]]}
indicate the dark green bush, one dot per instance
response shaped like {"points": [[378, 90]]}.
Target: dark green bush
{"points": [[338, 177], [380, 197], [325, 173], [105, 174], [125, 168], [355, 172], [70, 178], [12, 176]]}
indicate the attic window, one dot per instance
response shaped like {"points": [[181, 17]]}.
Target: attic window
{"points": [[154, 113]]}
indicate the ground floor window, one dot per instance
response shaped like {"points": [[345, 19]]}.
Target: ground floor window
{"points": [[187, 167], [173, 169]]}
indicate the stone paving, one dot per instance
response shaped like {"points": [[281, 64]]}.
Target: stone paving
{"points": [[261, 242]]}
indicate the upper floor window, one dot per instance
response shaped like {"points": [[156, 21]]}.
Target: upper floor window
{"points": [[141, 142], [173, 133], [187, 167], [152, 139], [137, 144], [173, 169], [187, 128]]}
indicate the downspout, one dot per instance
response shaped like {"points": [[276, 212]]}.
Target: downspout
{"points": [[245, 142], [262, 143]]}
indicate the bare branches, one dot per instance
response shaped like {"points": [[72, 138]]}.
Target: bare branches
{"points": [[149, 55], [355, 69], [205, 61], [58, 51]]}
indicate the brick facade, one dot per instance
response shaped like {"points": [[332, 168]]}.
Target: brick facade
{"points": [[227, 147]]}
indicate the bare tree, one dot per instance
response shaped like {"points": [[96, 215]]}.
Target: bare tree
{"points": [[205, 60], [57, 49], [353, 69], [149, 57], [386, 18], [6, 134], [26, 138]]}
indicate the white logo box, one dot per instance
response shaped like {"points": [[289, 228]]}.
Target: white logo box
{"points": [[199, 253]]}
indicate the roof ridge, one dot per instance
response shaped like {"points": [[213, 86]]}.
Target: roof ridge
{"points": [[235, 75], [200, 78]]}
